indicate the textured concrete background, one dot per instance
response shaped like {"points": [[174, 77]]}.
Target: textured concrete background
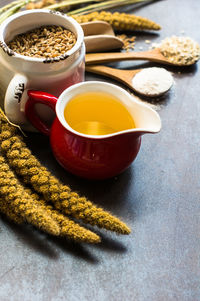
{"points": [[158, 196]]}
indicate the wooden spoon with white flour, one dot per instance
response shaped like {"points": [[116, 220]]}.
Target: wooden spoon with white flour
{"points": [[150, 82]]}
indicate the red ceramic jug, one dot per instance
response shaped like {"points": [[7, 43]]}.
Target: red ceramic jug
{"points": [[93, 156]]}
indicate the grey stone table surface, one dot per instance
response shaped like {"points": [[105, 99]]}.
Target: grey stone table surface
{"points": [[158, 197]]}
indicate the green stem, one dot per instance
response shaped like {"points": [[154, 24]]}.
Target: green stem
{"points": [[12, 10], [66, 3], [104, 5], [8, 6]]}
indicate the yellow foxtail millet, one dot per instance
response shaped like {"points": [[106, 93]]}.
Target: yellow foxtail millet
{"points": [[68, 227], [8, 211], [33, 173], [15, 195], [119, 21]]}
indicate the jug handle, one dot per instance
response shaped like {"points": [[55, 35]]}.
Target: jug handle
{"points": [[35, 97]]}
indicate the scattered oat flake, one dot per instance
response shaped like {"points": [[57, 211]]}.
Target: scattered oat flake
{"points": [[155, 45], [129, 42]]}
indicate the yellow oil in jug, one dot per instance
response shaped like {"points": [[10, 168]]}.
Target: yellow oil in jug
{"points": [[97, 113]]}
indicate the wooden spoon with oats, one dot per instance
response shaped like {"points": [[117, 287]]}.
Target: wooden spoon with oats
{"points": [[178, 51]]}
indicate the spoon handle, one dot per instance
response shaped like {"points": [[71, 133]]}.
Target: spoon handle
{"points": [[124, 76], [152, 55]]}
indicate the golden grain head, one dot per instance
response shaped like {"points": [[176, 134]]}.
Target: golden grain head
{"points": [[119, 21]]}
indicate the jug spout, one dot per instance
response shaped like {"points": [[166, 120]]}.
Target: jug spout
{"points": [[146, 119]]}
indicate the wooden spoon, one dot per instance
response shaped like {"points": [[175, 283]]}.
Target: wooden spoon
{"points": [[96, 28], [126, 77], [99, 36], [98, 43], [154, 55]]}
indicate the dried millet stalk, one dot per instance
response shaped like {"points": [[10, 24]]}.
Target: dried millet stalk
{"points": [[119, 21], [7, 210], [22, 203], [67, 227], [27, 166]]}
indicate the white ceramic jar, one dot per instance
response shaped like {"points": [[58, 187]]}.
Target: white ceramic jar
{"points": [[19, 73]]}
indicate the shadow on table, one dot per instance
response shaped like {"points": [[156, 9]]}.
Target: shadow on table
{"points": [[82, 251], [34, 239], [49, 246]]}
